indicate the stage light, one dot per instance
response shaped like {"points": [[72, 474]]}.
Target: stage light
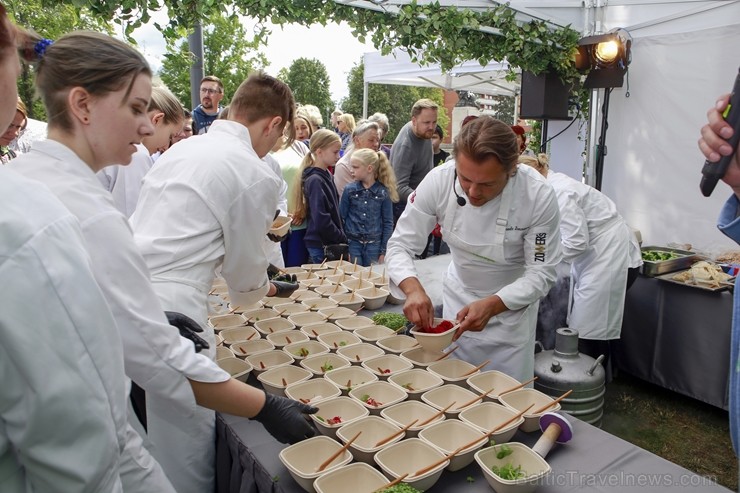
{"points": [[607, 56]]}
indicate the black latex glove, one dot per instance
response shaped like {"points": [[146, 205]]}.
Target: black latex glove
{"points": [[274, 274], [284, 419], [277, 239], [284, 289], [188, 329]]}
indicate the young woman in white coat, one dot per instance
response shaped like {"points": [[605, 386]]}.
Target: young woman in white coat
{"points": [[502, 225], [124, 181], [96, 90], [600, 248]]}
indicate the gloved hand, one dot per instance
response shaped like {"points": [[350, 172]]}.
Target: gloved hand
{"points": [[188, 329], [275, 274], [284, 289], [284, 419], [277, 239]]}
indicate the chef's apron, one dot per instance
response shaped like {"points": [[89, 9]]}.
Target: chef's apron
{"points": [[184, 445], [479, 269]]}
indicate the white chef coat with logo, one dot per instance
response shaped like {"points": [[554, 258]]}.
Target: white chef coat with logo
{"points": [[63, 394], [600, 248], [508, 247], [207, 204]]}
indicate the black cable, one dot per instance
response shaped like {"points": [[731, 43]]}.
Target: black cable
{"points": [[578, 113]]}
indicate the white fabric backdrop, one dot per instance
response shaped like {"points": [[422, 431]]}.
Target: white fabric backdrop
{"points": [[653, 166]]}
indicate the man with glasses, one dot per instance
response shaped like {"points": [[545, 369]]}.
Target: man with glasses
{"points": [[211, 94]]}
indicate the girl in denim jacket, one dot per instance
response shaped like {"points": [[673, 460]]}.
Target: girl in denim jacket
{"points": [[366, 207]]}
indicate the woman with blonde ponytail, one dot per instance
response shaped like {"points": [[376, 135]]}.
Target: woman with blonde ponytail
{"points": [[367, 206]]}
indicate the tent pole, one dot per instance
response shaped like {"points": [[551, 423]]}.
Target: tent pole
{"points": [[364, 100]]}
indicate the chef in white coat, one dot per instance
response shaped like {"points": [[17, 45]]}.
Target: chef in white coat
{"points": [[600, 248], [92, 127], [207, 205], [502, 225]]}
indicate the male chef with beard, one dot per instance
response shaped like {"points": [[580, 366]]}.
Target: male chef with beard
{"points": [[501, 222]]}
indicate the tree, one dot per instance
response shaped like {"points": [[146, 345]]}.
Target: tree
{"points": [[228, 52], [394, 101], [49, 20], [309, 81], [504, 108]]}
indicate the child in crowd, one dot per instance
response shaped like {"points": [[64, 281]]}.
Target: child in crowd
{"points": [[316, 199], [366, 206]]}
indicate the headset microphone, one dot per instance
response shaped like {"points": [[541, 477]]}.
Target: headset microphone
{"points": [[460, 200]]}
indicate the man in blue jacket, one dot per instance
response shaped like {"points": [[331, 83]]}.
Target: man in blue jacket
{"points": [[211, 94]]}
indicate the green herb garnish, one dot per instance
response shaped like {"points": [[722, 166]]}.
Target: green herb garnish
{"points": [[393, 321], [509, 472], [503, 451]]}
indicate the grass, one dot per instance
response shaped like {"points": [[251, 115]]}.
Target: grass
{"points": [[682, 430]]}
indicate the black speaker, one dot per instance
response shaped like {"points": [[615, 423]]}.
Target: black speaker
{"points": [[544, 97]]}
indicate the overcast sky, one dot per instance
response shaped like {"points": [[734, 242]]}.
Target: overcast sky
{"points": [[333, 44]]}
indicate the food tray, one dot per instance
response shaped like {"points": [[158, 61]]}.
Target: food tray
{"points": [[655, 269], [692, 284]]}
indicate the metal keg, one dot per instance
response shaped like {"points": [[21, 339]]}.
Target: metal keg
{"points": [[563, 369]]}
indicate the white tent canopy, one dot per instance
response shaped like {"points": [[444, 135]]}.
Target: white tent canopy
{"points": [[397, 68]]}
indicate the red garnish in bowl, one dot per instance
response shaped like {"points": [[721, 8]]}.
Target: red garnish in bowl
{"points": [[335, 420], [443, 326]]}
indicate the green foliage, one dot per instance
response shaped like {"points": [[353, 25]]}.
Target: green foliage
{"points": [[228, 53], [394, 101], [504, 108], [431, 33], [309, 81], [49, 21]]}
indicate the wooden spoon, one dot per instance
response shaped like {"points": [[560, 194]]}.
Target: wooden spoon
{"points": [[517, 387], [395, 434], [392, 483], [547, 406], [437, 414], [476, 368], [475, 399], [447, 353], [337, 453]]}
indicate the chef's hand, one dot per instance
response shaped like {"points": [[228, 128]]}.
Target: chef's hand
{"points": [[277, 239], [275, 274], [188, 328], [283, 289], [418, 307], [713, 142], [475, 316], [284, 419]]}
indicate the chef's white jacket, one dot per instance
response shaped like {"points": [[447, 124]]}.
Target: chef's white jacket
{"points": [[124, 181], [600, 248], [509, 246], [207, 204], [273, 251], [63, 393]]}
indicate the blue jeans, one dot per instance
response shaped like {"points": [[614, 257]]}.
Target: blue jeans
{"points": [[315, 255], [366, 253]]}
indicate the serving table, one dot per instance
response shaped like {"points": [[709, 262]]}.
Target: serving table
{"points": [[677, 337]]}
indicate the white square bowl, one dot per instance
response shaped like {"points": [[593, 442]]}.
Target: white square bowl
{"points": [[244, 308], [383, 393], [304, 458], [450, 434], [372, 333], [312, 391], [275, 380], [272, 325], [285, 310], [315, 330], [519, 400], [219, 340], [354, 269], [420, 357], [304, 349], [234, 335], [307, 318], [345, 408], [354, 323], [235, 367], [454, 371], [224, 352], [397, 344], [302, 276], [351, 301], [434, 342], [336, 340], [337, 313], [318, 364], [285, 337], [409, 456], [443, 396], [339, 264], [386, 365], [406, 412], [280, 226], [319, 303], [499, 381], [415, 382], [489, 415], [535, 466], [272, 301], [328, 289], [339, 277], [357, 284], [269, 359], [244, 349], [350, 377], [374, 429], [374, 297], [357, 477], [304, 295], [359, 352], [220, 322], [259, 314]]}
